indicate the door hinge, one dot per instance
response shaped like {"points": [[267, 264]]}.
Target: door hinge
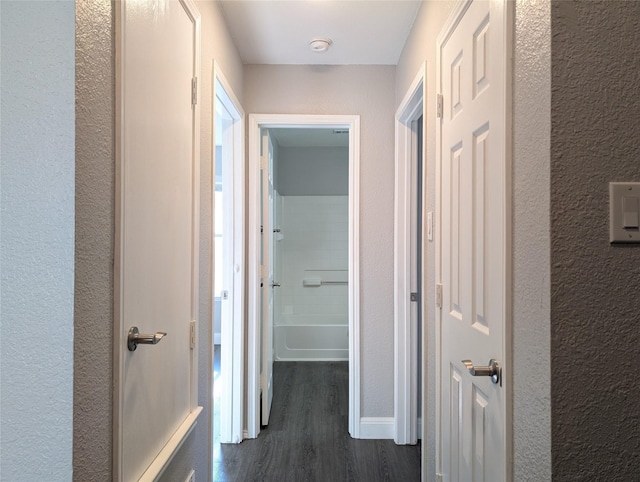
{"points": [[194, 91], [413, 296], [439, 295], [192, 334], [440, 107]]}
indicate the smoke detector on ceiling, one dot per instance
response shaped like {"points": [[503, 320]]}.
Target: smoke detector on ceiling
{"points": [[320, 45]]}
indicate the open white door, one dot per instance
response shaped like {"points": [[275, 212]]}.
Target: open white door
{"points": [[267, 282], [157, 235], [474, 247]]}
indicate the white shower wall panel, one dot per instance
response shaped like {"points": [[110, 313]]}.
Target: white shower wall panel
{"points": [[314, 247]]}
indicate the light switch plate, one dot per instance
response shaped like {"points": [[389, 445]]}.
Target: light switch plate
{"points": [[624, 196]]}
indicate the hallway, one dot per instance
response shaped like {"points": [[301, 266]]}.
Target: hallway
{"points": [[307, 438]]}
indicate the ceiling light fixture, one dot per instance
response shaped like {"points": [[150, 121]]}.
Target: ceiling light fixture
{"points": [[320, 45]]}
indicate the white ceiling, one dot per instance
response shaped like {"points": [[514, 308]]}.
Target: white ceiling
{"points": [[279, 31]]}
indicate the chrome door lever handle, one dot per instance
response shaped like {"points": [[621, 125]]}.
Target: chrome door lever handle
{"points": [[494, 370], [135, 338], [274, 284]]}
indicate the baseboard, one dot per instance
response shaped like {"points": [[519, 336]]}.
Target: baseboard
{"points": [[217, 338], [376, 427]]}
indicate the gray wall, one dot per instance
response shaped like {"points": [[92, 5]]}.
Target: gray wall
{"points": [[421, 46], [95, 164], [313, 171], [95, 198], [595, 307], [36, 241], [369, 92], [531, 404]]}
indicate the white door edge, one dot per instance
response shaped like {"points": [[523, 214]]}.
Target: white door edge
{"points": [[233, 335], [256, 122], [449, 26], [405, 346]]}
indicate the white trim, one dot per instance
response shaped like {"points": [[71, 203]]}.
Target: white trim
{"points": [[256, 122], [232, 336], [161, 462], [377, 428], [405, 329]]}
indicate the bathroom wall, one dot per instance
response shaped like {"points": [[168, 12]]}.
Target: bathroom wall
{"points": [[314, 247]]}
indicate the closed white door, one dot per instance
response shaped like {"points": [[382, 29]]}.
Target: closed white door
{"points": [[474, 249], [268, 283], [157, 223]]}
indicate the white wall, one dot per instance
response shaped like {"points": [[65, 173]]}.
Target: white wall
{"points": [[369, 92], [36, 242], [532, 457], [315, 245], [95, 161]]}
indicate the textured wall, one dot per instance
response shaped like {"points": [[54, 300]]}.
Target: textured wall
{"points": [[531, 263], [595, 308], [95, 197], [95, 91], [36, 242], [369, 92]]}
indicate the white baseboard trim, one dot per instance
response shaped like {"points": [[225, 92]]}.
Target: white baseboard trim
{"points": [[217, 338], [376, 427]]}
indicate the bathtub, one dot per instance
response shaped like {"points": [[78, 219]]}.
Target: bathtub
{"points": [[311, 342]]}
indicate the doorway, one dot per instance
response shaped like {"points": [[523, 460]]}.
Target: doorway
{"points": [[261, 282], [310, 244], [409, 262], [228, 180]]}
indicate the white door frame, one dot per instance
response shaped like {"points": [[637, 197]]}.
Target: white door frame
{"points": [[405, 330], [454, 18], [256, 122], [232, 334]]}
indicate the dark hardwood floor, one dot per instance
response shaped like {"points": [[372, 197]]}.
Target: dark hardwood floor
{"points": [[307, 438]]}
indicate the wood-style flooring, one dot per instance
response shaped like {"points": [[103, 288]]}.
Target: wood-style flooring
{"points": [[307, 438]]}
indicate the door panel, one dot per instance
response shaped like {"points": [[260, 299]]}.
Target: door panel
{"points": [[473, 244], [157, 244]]}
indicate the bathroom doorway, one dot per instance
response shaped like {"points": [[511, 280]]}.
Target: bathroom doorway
{"points": [[303, 282]]}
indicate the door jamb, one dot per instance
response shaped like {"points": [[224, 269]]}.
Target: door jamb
{"points": [[232, 366], [256, 122], [405, 341]]}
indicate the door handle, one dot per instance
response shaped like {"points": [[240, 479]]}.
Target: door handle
{"points": [[494, 370], [275, 284], [135, 338]]}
